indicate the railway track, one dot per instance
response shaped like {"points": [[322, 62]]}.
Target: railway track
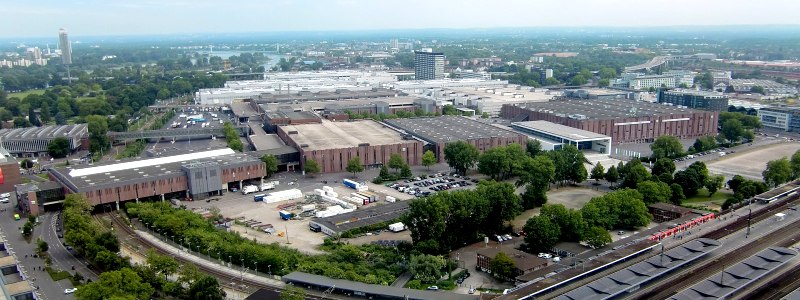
{"points": [[706, 267], [757, 216], [221, 276]]}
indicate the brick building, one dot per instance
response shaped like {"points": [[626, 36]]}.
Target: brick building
{"points": [[194, 175], [439, 131], [333, 144], [665, 212], [9, 171], [625, 121], [524, 262]]}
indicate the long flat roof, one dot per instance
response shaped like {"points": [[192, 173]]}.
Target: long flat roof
{"points": [[45, 132], [736, 277], [140, 170], [640, 273], [566, 132], [372, 289], [364, 217], [338, 135], [148, 162], [445, 129], [605, 109]]}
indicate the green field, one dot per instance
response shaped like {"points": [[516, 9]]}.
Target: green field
{"points": [[24, 94], [702, 196]]}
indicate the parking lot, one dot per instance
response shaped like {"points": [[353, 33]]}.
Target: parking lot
{"points": [[428, 184]]}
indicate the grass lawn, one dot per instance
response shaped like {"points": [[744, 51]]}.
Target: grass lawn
{"points": [[702, 196], [57, 274], [24, 94]]}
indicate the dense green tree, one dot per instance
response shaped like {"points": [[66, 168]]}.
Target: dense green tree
{"points": [[58, 147], [598, 172], [690, 181], [427, 268], [612, 175], [26, 164], [533, 147], [569, 164], [736, 182], [311, 167], [503, 267], [384, 172], [161, 265], [732, 130], [460, 156], [597, 237], [124, 283], [354, 166], [41, 245], [635, 173], [428, 159], [795, 163], [578, 80], [654, 192], [21, 122], [206, 288], [714, 183], [570, 221], [676, 195], [502, 162], [620, 209], [293, 293], [405, 171], [663, 166], [504, 204], [666, 146], [396, 162], [271, 163], [704, 144], [450, 110], [778, 172], [541, 234], [758, 89], [98, 133]]}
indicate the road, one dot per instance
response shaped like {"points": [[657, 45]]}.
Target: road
{"points": [[60, 256]]}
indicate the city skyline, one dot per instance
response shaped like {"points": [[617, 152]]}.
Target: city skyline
{"points": [[180, 17]]}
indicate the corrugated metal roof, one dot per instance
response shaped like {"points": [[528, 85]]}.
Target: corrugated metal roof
{"points": [[149, 162]]}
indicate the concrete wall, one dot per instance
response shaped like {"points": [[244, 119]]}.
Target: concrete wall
{"points": [[699, 123]]}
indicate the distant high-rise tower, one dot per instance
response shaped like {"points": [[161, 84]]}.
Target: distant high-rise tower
{"points": [[66, 50], [428, 65], [394, 44]]}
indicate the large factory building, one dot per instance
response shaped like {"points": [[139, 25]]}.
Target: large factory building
{"points": [[439, 131], [625, 121], [194, 175], [333, 144]]}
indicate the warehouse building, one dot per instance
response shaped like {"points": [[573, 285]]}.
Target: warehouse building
{"points": [[625, 121], [694, 99], [336, 225], [33, 141], [195, 175], [554, 136], [439, 131], [333, 144]]}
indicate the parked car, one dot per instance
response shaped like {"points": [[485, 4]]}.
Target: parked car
{"points": [[433, 288], [70, 291]]}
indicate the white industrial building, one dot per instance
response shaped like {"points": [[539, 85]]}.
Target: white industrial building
{"points": [[554, 136], [670, 79]]}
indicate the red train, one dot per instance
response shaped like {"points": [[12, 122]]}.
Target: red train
{"points": [[694, 222]]}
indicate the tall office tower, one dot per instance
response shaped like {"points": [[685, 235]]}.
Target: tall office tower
{"points": [[428, 65], [394, 44], [66, 50]]}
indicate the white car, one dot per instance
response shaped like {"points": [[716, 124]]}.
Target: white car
{"points": [[5, 195], [70, 291]]}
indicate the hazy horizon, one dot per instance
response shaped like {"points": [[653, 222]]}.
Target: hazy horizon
{"points": [[149, 17]]}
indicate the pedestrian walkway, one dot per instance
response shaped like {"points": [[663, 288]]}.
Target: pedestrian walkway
{"points": [[234, 275]]}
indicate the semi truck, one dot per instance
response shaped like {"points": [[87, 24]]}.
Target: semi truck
{"points": [[247, 189]]}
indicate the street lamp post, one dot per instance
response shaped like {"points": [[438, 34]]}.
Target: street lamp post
{"points": [[230, 260], [270, 270]]}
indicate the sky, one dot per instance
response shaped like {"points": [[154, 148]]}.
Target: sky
{"points": [[22, 18]]}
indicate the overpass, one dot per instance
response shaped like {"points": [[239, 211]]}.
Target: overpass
{"points": [[655, 62], [175, 133]]}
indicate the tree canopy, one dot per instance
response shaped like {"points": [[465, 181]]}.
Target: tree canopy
{"points": [[666, 146], [460, 156]]}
